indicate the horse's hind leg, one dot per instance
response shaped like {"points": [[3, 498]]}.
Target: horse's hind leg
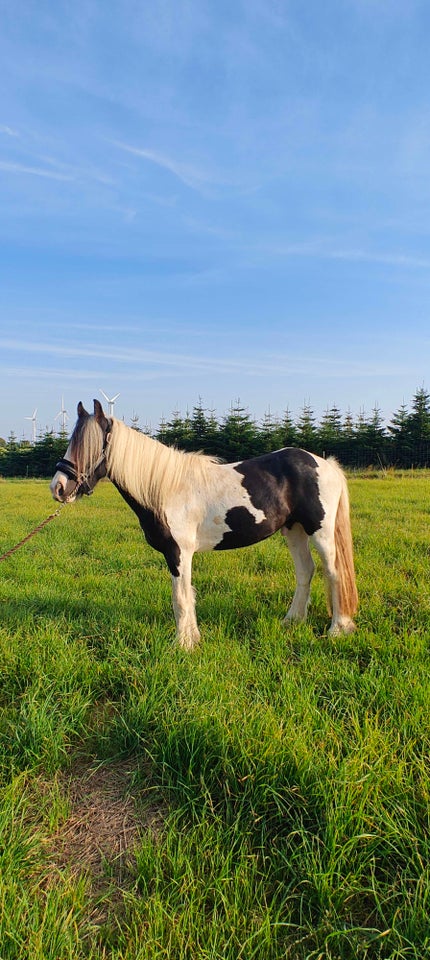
{"points": [[184, 605], [324, 543], [298, 543]]}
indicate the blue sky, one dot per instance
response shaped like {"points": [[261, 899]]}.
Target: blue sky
{"points": [[213, 200]]}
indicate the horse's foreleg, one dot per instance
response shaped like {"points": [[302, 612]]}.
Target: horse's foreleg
{"points": [[184, 607], [298, 543]]}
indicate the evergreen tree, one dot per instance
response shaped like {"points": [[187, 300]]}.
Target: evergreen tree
{"points": [[330, 430], [307, 433], [398, 430], [361, 429], [47, 450], [202, 431], [399, 424], [238, 435], [12, 462], [376, 434], [12, 442], [419, 419], [348, 428], [176, 432], [212, 434], [269, 434], [162, 432], [370, 440], [187, 442], [287, 430], [134, 423]]}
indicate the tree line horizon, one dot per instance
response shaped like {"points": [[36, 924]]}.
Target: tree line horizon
{"points": [[358, 442]]}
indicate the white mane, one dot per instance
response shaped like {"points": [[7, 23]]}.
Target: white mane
{"points": [[150, 471]]}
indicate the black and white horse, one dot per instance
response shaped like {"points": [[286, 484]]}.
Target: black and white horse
{"points": [[188, 502]]}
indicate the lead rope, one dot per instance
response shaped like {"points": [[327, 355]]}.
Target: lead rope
{"points": [[33, 532]]}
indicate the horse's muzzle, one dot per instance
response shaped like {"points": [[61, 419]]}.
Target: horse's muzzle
{"points": [[65, 486], [68, 485], [62, 489]]}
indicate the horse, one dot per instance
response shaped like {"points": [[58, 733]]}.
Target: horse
{"points": [[189, 502]]}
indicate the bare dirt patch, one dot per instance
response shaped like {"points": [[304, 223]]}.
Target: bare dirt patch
{"points": [[108, 815]]}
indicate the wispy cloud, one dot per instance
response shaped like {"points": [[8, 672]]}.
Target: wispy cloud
{"points": [[314, 249], [257, 365], [191, 176], [8, 131], [20, 168], [391, 259]]}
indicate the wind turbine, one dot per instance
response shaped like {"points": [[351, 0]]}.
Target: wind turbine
{"points": [[111, 401], [33, 420], [64, 416]]}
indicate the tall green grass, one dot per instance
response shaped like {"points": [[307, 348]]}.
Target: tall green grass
{"points": [[291, 770]]}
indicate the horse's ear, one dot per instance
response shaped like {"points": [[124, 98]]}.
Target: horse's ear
{"points": [[98, 411], [81, 411]]}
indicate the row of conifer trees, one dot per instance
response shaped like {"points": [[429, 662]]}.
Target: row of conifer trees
{"points": [[356, 442]]}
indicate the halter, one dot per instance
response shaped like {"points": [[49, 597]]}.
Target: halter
{"points": [[82, 480]]}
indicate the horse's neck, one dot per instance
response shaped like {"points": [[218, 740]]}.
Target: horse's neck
{"points": [[153, 473], [140, 466]]}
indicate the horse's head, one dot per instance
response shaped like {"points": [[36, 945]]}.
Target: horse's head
{"points": [[84, 462]]}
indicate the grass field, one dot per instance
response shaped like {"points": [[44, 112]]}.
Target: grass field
{"points": [[264, 797]]}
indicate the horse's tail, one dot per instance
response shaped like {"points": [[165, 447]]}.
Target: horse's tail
{"points": [[348, 596]]}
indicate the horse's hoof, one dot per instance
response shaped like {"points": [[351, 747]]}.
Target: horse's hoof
{"points": [[189, 642], [345, 627], [291, 621]]}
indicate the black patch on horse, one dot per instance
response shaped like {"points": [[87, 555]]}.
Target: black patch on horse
{"points": [[284, 486], [244, 529], [157, 532]]}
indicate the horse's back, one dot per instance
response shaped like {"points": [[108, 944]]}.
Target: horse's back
{"points": [[285, 485]]}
